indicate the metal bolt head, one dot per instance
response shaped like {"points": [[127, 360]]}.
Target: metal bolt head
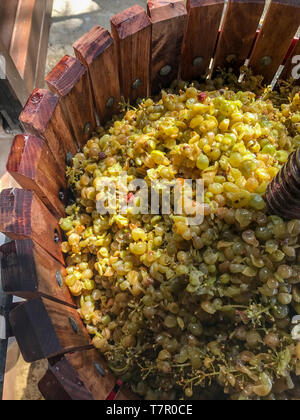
{"points": [[73, 325], [166, 70], [99, 369], [59, 278], [69, 158], [198, 61], [266, 60], [110, 102], [136, 84], [61, 195], [56, 237], [87, 128]]}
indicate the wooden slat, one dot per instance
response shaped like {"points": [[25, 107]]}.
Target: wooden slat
{"points": [[25, 41], [97, 51], [238, 33], [13, 76], [131, 31], [43, 117], [168, 19], [279, 28], [43, 45], [62, 383], [51, 388], [93, 372], [24, 216], [33, 166], [28, 271], [69, 79], [8, 11], [79, 376], [44, 329], [290, 64], [204, 18]]}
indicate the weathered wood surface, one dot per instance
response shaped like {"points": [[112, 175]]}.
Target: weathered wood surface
{"points": [[278, 30], [33, 166], [43, 44], [131, 30], [13, 76], [70, 80], [168, 19], [204, 18], [24, 216], [93, 371], [28, 271], [238, 33], [43, 117], [45, 329], [97, 51], [31, 26], [8, 12]]}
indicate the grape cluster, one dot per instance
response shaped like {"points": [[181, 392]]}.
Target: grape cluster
{"points": [[183, 311]]}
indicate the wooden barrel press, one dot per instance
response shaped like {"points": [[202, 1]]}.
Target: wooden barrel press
{"points": [[145, 51]]}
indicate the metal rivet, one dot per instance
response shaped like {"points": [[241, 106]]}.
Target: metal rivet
{"points": [[74, 325], [266, 60], [69, 158], [61, 195], [99, 369], [59, 279], [166, 70], [56, 236], [198, 61], [110, 102], [136, 84], [87, 128]]}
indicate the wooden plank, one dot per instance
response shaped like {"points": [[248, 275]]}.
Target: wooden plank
{"points": [[25, 40], [238, 33], [62, 383], [96, 50], [93, 371], [13, 76], [43, 117], [43, 45], [79, 376], [51, 388], [8, 11], [69, 79], [33, 166], [24, 216], [131, 30], [291, 63], [278, 30], [28, 271], [44, 329], [204, 18], [168, 19]]}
